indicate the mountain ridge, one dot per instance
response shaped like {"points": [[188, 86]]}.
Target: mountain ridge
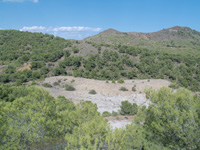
{"points": [[172, 39], [172, 30]]}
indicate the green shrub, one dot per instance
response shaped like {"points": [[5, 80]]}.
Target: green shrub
{"points": [[128, 109], [123, 89], [113, 81], [75, 49], [47, 85], [69, 88], [107, 81], [33, 83], [174, 86], [133, 89], [120, 80], [92, 92], [56, 83], [114, 113], [59, 71], [72, 81], [69, 74], [106, 114]]}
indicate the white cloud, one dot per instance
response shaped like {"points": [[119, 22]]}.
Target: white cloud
{"points": [[57, 29], [35, 1], [76, 32]]}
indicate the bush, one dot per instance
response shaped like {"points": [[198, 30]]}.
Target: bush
{"points": [[75, 49], [113, 81], [47, 85], [72, 81], [59, 71], [114, 113], [92, 92], [56, 83], [133, 88], [128, 109], [69, 74], [123, 89], [106, 114], [174, 86], [120, 80], [107, 81], [33, 83], [69, 88]]}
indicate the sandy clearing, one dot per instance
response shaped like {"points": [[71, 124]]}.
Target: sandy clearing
{"points": [[108, 97]]}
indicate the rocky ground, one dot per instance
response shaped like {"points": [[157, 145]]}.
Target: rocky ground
{"points": [[108, 97]]}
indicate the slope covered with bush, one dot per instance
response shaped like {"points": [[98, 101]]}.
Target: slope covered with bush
{"points": [[53, 56]]}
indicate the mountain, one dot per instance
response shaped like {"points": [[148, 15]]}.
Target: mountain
{"points": [[174, 39], [173, 33]]}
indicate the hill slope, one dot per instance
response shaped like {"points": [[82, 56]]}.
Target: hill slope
{"points": [[140, 55]]}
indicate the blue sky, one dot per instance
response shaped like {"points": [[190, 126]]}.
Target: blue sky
{"points": [[77, 19]]}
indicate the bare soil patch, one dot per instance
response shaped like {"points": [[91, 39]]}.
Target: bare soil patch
{"points": [[119, 121], [108, 97], [26, 66]]}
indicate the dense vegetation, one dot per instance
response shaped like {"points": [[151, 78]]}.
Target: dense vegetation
{"points": [[25, 46], [32, 119]]}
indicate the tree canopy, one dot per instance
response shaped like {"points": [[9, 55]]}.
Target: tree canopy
{"points": [[32, 119]]}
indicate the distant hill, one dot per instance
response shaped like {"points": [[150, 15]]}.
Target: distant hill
{"points": [[174, 39]]}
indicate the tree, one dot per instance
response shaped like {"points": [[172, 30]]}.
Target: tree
{"points": [[29, 119], [59, 71], [173, 119], [37, 64], [91, 129], [128, 109], [132, 74]]}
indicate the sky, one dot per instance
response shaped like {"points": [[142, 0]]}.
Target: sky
{"points": [[78, 19]]}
